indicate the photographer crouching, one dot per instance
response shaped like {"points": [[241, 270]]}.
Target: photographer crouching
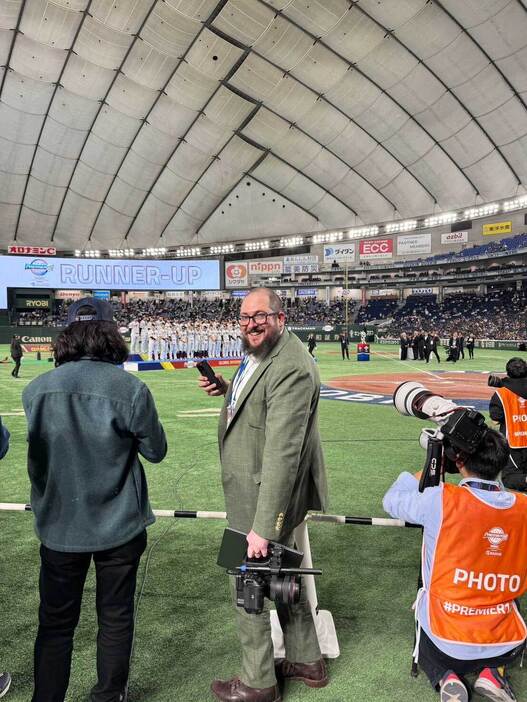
{"points": [[474, 568], [88, 421], [508, 407]]}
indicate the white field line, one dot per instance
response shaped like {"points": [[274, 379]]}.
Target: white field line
{"points": [[205, 410], [404, 363]]}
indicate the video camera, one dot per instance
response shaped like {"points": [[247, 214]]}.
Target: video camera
{"points": [[277, 577], [460, 432]]}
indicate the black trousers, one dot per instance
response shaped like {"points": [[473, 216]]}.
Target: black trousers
{"points": [[62, 577], [15, 370], [434, 663], [433, 351], [345, 350], [470, 351]]}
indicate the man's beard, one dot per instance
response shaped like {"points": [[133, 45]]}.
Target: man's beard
{"points": [[264, 348]]}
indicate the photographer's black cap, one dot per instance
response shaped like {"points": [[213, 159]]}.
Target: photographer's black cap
{"points": [[89, 309]]}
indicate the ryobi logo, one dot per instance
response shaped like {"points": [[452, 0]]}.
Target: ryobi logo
{"points": [[37, 303]]}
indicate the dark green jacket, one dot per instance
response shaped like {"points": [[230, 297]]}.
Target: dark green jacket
{"points": [[271, 456], [87, 423]]}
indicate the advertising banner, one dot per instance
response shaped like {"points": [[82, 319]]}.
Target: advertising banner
{"points": [[265, 267], [454, 238], [384, 292], [101, 294], [341, 253], [423, 291], [87, 274], [32, 250], [239, 293], [375, 248], [35, 303], [303, 263], [306, 292], [69, 294], [414, 244], [236, 274], [497, 228]]}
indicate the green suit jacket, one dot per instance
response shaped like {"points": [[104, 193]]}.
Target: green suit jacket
{"points": [[271, 457]]}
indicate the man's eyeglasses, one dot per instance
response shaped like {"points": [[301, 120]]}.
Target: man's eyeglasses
{"points": [[258, 318]]}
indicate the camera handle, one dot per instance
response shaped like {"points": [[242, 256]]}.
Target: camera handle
{"points": [[267, 569], [433, 471]]}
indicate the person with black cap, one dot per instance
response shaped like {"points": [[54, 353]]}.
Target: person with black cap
{"points": [[88, 421]]}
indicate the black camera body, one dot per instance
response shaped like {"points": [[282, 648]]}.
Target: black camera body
{"points": [[277, 577], [255, 581]]}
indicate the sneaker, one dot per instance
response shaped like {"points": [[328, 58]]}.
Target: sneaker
{"points": [[453, 689], [5, 683], [493, 685]]}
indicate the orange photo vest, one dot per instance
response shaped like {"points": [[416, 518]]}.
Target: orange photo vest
{"points": [[477, 573], [515, 408]]}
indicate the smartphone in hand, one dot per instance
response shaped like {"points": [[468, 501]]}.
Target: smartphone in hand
{"points": [[205, 369]]}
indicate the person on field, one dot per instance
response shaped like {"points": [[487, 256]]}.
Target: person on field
{"points": [[474, 569], [88, 423], [273, 473]]}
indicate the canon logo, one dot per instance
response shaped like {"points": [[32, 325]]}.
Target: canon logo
{"points": [[36, 339]]}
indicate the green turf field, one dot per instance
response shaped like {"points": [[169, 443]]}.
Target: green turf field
{"points": [[185, 633]]}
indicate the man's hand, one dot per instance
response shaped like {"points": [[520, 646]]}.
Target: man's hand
{"points": [[256, 546], [212, 389]]}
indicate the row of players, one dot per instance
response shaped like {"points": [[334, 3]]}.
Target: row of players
{"points": [[421, 345], [165, 339]]}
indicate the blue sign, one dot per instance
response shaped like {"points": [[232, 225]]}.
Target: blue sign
{"points": [[239, 293], [101, 294], [90, 274], [306, 292]]}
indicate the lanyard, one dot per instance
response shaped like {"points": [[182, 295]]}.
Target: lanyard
{"points": [[238, 379]]}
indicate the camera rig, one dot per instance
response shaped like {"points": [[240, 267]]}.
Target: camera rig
{"points": [[257, 580], [459, 433]]}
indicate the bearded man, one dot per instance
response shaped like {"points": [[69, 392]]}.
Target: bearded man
{"points": [[273, 473]]}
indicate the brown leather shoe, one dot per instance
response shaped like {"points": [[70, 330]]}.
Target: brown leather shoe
{"points": [[312, 674], [235, 691]]}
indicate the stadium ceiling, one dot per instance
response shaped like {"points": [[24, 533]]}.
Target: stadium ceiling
{"points": [[167, 122]]}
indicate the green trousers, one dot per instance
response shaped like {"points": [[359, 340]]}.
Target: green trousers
{"points": [[254, 632]]}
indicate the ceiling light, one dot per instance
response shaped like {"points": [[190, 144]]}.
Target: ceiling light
{"points": [[517, 204], [482, 211], [328, 238], [290, 241], [358, 232], [406, 226], [444, 218]]}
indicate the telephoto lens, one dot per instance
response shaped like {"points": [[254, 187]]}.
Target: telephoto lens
{"points": [[415, 400], [495, 381]]}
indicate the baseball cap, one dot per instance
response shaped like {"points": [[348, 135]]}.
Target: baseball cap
{"points": [[90, 309]]}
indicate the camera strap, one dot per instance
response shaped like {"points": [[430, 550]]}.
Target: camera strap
{"points": [[491, 487]]}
